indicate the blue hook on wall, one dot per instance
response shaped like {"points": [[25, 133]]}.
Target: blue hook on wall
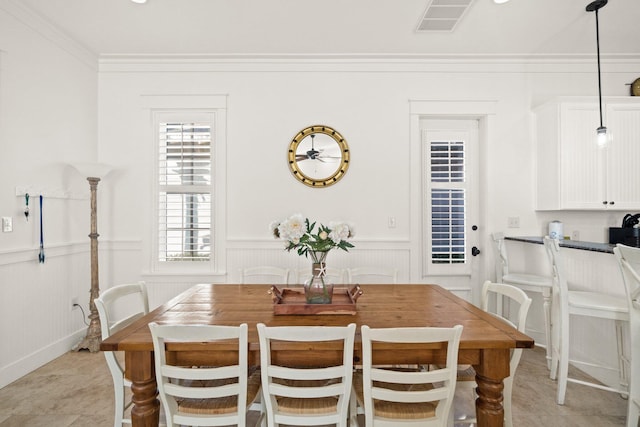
{"points": [[41, 254]]}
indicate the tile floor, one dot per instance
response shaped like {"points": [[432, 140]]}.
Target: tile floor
{"points": [[75, 390]]}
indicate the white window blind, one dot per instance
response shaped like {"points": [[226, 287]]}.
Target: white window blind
{"points": [[185, 191], [447, 201]]}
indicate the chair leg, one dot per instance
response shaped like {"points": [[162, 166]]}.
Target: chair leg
{"points": [[119, 406], [353, 410], [622, 359], [506, 402], [563, 362], [633, 414], [546, 305], [263, 411], [555, 346]]}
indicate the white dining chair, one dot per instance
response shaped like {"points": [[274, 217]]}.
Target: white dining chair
{"points": [[629, 261], [492, 296], [265, 274], [119, 306], [394, 397], [306, 396], [530, 282], [372, 274], [204, 396], [568, 303]]}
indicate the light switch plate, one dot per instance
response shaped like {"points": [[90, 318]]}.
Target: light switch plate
{"points": [[513, 222], [7, 224]]}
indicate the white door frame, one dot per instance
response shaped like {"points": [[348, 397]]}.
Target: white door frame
{"points": [[483, 111]]}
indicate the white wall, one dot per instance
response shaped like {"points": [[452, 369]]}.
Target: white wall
{"points": [[48, 117], [269, 100]]}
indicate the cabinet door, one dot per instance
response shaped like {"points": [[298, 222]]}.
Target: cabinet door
{"points": [[623, 156], [582, 173]]}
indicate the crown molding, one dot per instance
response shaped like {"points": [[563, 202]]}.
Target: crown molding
{"points": [[49, 31], [364, 62]]}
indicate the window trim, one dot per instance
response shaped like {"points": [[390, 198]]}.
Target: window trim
{"points": [[186, 107]]}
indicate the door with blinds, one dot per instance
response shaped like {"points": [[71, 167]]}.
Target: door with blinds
{"points": [[450, 199]]}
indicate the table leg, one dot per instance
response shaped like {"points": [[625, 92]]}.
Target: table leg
{"points": [[141, 370], [490, 373]]}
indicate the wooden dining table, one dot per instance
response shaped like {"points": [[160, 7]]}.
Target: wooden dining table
{"points": [[486, 341]]}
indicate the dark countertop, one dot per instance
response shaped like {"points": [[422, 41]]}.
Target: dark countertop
{"points": [[572, 244]]}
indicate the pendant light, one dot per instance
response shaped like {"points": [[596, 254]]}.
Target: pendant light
{"points": [[601, 132]]}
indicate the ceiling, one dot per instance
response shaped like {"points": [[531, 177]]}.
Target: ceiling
{"points": [[342, 27]]}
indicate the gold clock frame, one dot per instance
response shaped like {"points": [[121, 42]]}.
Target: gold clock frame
{"points": [[320, 181]]}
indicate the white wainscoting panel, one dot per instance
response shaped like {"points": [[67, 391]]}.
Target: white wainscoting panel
{"points": [[245, 253], [37, 323]]}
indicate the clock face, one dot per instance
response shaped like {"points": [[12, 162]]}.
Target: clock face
{"points": [[318, 156], [635, 87]]}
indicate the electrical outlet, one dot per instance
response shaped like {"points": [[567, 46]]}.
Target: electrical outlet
{"points": [[74, 302], [392, 222], [575, 235], [7, 224], [513, 222]]}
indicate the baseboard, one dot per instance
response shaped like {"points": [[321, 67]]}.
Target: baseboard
{"points": [[33, 361]]}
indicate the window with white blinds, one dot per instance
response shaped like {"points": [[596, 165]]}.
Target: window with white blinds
{"points": [[447, 202], [446, 199], [184, 191]]}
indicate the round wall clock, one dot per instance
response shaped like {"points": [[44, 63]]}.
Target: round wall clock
{"points": [[635, 87], [318, 156]]}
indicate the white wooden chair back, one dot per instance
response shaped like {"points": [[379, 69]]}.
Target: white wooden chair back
{"points": [[265, 274], [119, 306], [360, 275], [560, 287], [500, 256], [409, 397], [306, 396], [517, 299], [211, 396]]}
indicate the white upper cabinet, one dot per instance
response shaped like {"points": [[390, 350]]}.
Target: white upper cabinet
{"points": [[573, 172]]}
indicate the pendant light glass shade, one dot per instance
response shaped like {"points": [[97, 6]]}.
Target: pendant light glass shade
{"points": [[602, 136]]}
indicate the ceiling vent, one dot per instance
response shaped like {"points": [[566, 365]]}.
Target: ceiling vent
{"points": [[443, 15]]}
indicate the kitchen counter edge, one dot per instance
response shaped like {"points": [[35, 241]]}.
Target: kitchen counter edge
{"points": [[572, 244]]}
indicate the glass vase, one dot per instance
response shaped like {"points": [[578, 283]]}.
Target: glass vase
{"points": [[317, 289]]}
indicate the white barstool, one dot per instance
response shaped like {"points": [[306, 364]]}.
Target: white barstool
{"points": [[568, 302], [527, 282], [629, 262]]}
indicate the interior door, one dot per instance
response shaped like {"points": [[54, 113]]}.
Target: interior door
{"points": [[450, 210]]}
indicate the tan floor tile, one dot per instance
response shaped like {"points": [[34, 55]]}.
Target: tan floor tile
{"points": [[40, 421]]}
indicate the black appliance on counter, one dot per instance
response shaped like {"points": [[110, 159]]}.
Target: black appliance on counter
{"points": [[628, 234]]}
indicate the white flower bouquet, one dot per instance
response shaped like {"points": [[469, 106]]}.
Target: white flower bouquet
{"points": [[301, 234]]}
